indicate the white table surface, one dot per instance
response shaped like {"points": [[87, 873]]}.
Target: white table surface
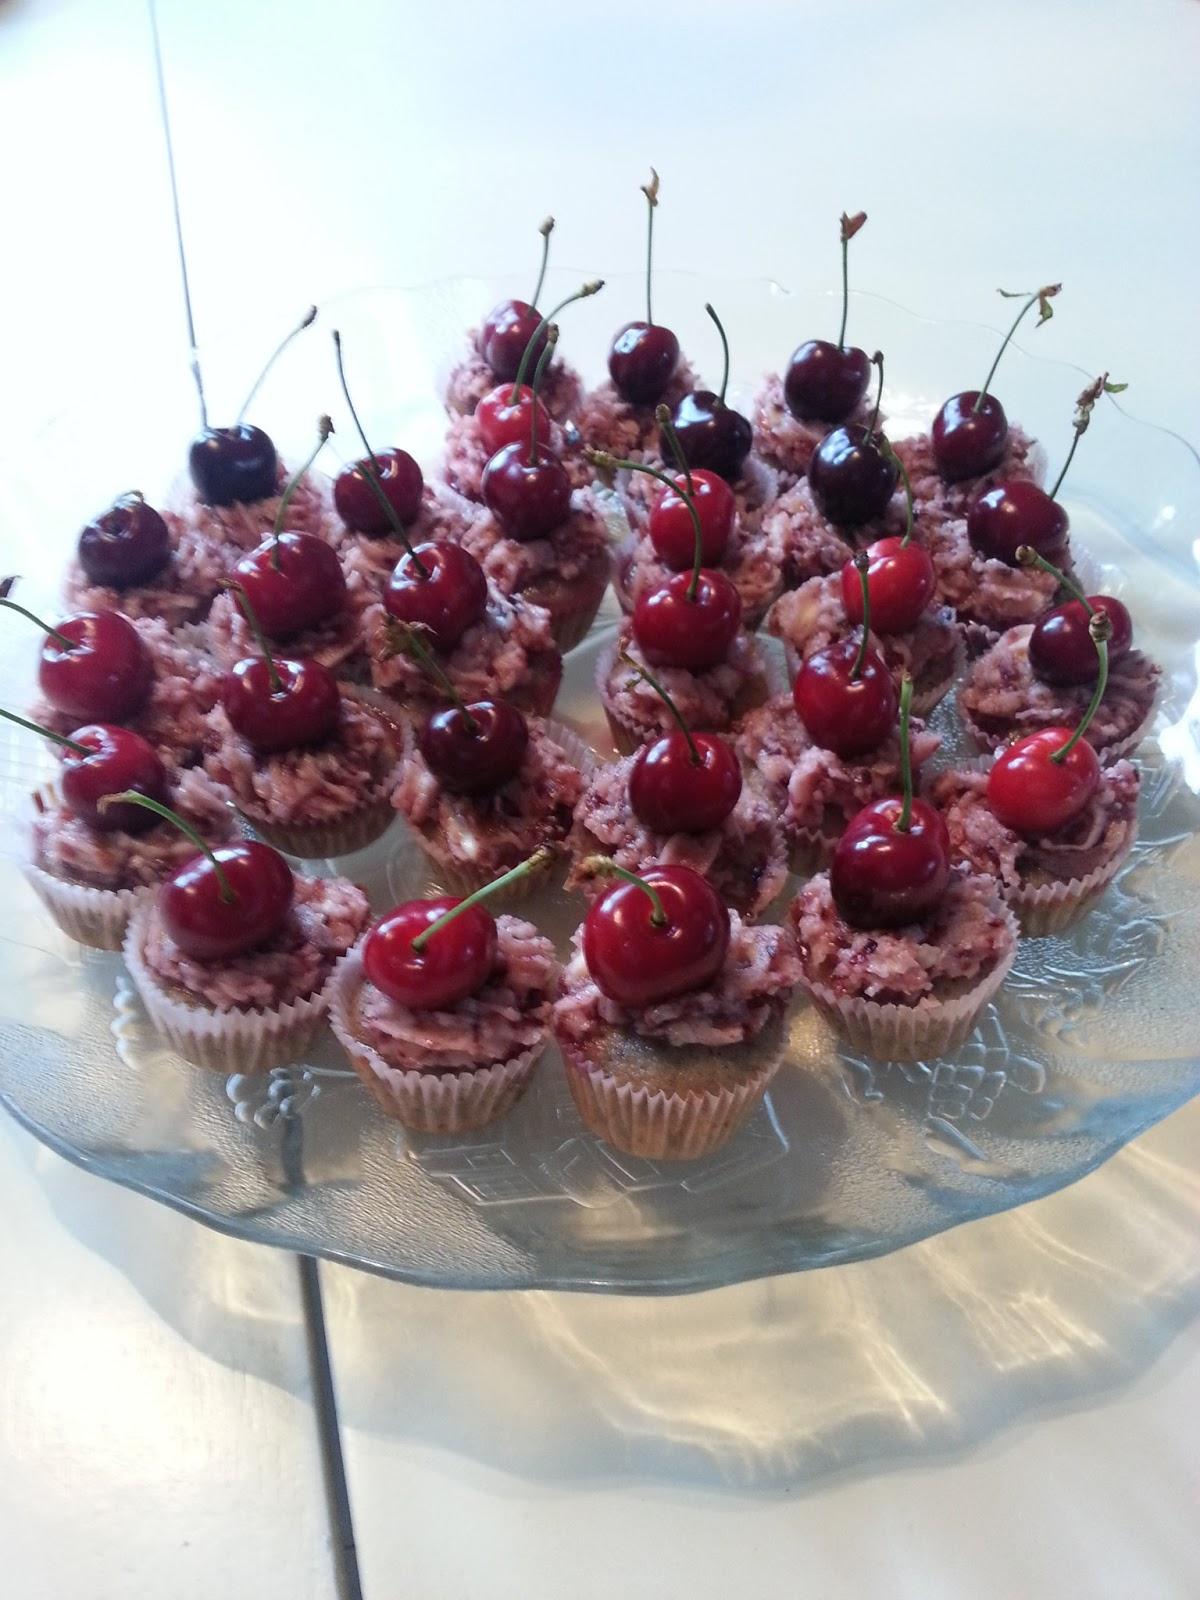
{"points": [[156, 1433]]}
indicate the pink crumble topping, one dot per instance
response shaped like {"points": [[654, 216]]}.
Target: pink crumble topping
{"points": [[444, 515], [936, 500], [813, 546], [786, 441], [814, 616], [568, 553], [232, 531], [561, 388], [606, 422], [708, 701], [336, 642], [982, 590], [181, 592]]}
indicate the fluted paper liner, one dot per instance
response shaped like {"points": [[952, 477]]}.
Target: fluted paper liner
{"points": [[95, 917], [988, 744]]}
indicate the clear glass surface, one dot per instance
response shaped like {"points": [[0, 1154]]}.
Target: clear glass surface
{"points": [[1091, 1041]]}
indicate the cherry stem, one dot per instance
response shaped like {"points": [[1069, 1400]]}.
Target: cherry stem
{"points": [[909, 519], [46, 733], [324, 429], [306, 321], [648, 677], [543, 362], [1029, 557], [242, 601], [546, 229], [724, 354], [582, 293], [666, 427], [876, 361], [601, 458], [539, 858], [904, 820], [650, 190], [845, 288], [68, 644], [407, 637], [374, 476], [605, 866], [1100, 628], [134, 798], [1039, 295], [862, 563]]}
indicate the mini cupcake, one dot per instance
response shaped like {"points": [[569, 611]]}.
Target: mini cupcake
{"points": [[786, 442], [128, 560], [444, 1012], [987, 596], [225, 532], [939, 501], [810, 545], [372, 556], [334, 638], [670, 1016], [629, 428]]}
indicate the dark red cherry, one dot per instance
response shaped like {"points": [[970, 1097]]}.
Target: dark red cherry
{"points": [[677, 787], [712, 434], [506, 330], [883, 876], [401, 481], [642, 361], [475, 749], [824, 383], [637, 962], [843, 713], [1032, 793], [233, 464], [1061, 648], [303, 709], [292, 583], [967, 442], [673, 631], [504, 420], [851, 478], [901, 582], [117, 760], [673, 533], [209, 927], [126, 545], [107, 675], [449, 599], [1008, 515], [455, 963], [528, 497]]}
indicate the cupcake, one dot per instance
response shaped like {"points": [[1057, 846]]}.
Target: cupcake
{"points": [[810, 545], [224, 532], [988, 596], [629, 428], [369, 544], [128, 560], [940, 500], [670, 1015], [330, 610], [469, 448], [445, 1011], [785, 441]]}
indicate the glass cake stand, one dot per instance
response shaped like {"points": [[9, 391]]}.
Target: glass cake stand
{"points": [[1092, 1040]]}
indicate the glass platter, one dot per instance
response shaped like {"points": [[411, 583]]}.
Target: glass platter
{"points": [[1092, 1040]]}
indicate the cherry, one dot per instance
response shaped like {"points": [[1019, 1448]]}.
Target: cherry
{"points": [[672, 531], [825, 382], [684, 782], [93, 666], [101, 761], [652, 938], [278, 704], [691, 621], [438, 587], [227, 901], [900, 579], [126, 545], [970, 432], [709, 433], [527, 490], [1061, 648], [476, 748], [506, 332], [644, 356], [844, 694], [853, 471], [294, 581], [233, 465], [506, 416], [357, 502], [1016, 513]]}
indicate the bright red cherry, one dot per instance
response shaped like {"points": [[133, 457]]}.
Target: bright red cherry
{"points": [[672, 531], [228, 902], [114, 760], [675, 631], [504, 419], [1061, 648], [884, 874], [1032, 792], [281, 704], [684, 783], [476, 748], [401, 482], [851, 475], [126, 545], [505, 335], [528, 494], [454, 964], [104, 676], [642, 361], [901, 581], [294, 582], [824, 383], [846, 698], [236, 464], [439, 587], [1016, 513], [649, 940]]}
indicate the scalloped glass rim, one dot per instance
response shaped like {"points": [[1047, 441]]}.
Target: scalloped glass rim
{"points": [[952, 1141]]}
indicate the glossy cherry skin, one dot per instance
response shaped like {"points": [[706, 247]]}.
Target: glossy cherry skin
{"points": [[882, 877], [842, 713], [850, 477], [233, 464], [711, 434], [967, 442], [1061, 648], [901, 583], [307, 586], [504, 420], [209, 928], [638, 964], [506, 330], [126, 545], [1008, 515], [673, 631], [451, 598], [642, 361], [117, 760], [401, 481], [528, 496], [1030, 793], [672, 532], [670, 792], [303, 710], [455, 963], [475, 751], [824, 383], [107, 677]]}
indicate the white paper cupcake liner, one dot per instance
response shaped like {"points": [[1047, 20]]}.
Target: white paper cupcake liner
{"points": [[631, 733], [425, 1102], [95, 917], [988, 744], [1045, 908], [222, 1040]]}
